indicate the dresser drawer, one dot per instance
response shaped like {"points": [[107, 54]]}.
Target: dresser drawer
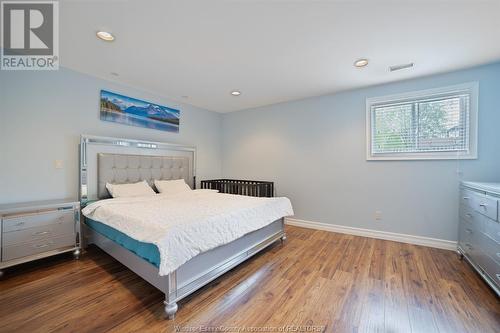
{"points": [[486, 205], [490, 247], [62, 227], [467, 198], [466, 233], [469, 239], [39, 246], [470, 216], [36, 220], [492, 229], [470, 250], [490, 267]]}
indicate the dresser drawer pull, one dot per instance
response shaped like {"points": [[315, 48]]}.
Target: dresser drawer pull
{"points": [[43, 245], [466, 198], [483, 205], [468, 231], [39, 233], [469, 215]]}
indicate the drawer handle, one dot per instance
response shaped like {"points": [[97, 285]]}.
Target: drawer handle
{"points": [[468, 246], [43, 245], [466, 198], [468, 231], [469, 215], [19, 223], [483, 205], [39, 233]]}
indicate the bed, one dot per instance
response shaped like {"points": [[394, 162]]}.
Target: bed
{"points": [[193, 261]]}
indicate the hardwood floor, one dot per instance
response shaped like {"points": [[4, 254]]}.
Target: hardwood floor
{"points": [[340, 283]]}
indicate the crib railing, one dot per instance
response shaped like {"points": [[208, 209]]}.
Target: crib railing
{"points": [[253, 188]]}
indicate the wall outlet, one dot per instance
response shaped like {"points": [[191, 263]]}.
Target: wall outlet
{"points": [[377, 215], [58, 164]]}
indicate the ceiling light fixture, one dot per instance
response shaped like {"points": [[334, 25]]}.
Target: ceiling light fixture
{"points": [[235, 93], [361, 63], [106, 36]]}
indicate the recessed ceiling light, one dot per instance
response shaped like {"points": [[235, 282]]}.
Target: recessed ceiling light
{"points": [[235, 93], [361, 63], [106, 36]]}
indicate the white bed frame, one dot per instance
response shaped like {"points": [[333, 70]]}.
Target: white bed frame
{"points": [[198, 271]]}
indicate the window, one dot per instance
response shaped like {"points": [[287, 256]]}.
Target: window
{"points": [[431, 124]]}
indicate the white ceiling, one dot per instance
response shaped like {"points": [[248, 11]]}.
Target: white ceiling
{"points": [[273, 51]]}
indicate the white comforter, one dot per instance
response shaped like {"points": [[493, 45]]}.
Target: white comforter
{"points": [[189, 223]]}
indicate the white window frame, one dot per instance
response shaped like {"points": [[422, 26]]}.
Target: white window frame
{"points": [[471, 87]]}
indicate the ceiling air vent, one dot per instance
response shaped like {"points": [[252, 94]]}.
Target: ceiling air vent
{"points": [[400, 67]]}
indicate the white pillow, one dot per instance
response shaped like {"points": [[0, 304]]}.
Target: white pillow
{"points": [[130, 190], [172, 186]]}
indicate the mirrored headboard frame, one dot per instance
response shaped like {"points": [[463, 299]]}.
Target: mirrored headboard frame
{"points": [[99, 144]]}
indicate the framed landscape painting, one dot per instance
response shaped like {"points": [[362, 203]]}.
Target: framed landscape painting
{"points": [[135, 112]]}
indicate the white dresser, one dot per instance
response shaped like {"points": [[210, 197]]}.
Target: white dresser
{"points": [[479, 232], [35, 230]]}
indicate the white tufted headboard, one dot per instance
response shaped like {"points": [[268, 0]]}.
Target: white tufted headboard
{"points": [[116, 160], [122, 169]]}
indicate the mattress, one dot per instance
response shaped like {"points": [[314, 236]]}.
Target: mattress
{"points": [[185, 224], [146, 251]]}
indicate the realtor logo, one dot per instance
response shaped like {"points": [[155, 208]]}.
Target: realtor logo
{"points": [[30, 35]]}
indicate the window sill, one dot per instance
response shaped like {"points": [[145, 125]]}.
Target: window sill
{"points": [[420, 157]]}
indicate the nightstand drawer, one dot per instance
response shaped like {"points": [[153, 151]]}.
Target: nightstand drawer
{"points": [[36, 220], [62, 227], [39, 246]]}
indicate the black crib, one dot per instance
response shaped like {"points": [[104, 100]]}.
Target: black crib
{"points": [[253, 188]]}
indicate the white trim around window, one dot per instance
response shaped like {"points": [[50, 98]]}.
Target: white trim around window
{"points": [[467, 91]]}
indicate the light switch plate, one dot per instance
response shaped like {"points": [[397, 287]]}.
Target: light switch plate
{"points": [[58, 164]]}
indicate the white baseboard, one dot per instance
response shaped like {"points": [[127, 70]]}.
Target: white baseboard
{"points": [[403, 238]]}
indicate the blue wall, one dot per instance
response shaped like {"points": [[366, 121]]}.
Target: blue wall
{"points": [[43, 114], [314, 149]]}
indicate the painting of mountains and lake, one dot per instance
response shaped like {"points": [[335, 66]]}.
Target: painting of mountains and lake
{"points": [[135, 112]]}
